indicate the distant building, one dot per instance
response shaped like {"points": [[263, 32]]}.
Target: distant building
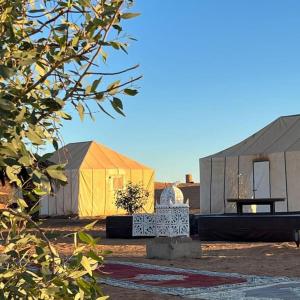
{"points": [[190, 190]]}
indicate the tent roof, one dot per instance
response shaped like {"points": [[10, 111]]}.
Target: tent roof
{"points": [[281, 135], [91, 155]]}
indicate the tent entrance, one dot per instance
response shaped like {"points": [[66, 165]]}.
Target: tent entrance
{"points": [[261, 183]]}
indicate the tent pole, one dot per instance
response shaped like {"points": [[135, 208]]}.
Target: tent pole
{"points": [[270, 190], [238, 178], [253, 180], [92, 191], [71, 188], [224, 183], [48, 201], [210, 185], [105, 192], [63, 208], [286, 184]]}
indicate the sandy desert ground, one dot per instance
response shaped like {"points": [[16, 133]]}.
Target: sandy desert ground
{"points": [[246, 258]]}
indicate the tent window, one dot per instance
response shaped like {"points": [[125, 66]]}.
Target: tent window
{"points": [[118, 183]]}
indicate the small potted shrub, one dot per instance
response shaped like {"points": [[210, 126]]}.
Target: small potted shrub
{"points": [[131, 199]]}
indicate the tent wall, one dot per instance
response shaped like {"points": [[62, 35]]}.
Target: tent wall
{"points": [[245, 179], [97, 191], [148, 183], [231, 182], [136, 176], [222, 178], [98, 208], [111, 176], [232, 177], [278, 180], [98, 187], [91, 192], [245, 176], [217, 185], [205, 183], [86, 195], [144, 177], [293, 180], [64, 200], [44, 206]]}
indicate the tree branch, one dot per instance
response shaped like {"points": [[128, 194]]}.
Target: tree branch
{"points": [[108, 90], [123, 84], [113, 73]]}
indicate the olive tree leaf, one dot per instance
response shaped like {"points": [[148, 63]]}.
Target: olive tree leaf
{"points": [[6, 104], [117, 105], [86, 264], [130, 15], [34, 137], [130, 92], [80, 109], [6, 72], [113, 87], [90, 225], [56, 173], [86, 238]]}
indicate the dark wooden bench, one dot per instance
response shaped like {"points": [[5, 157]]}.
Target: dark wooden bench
{"points": [[258, 201]]}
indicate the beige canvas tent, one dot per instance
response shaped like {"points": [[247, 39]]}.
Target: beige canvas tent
{"points": [[265, 165], [94, 174]]}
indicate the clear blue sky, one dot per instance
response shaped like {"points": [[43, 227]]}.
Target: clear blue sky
{"points": [[214, 73]]}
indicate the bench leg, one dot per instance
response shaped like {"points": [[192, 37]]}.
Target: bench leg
{"points": [[272, 208], [297, 239], [239, 208]]}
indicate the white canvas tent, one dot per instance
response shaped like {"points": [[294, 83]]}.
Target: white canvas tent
{"points": [[265, 165], [94, 174]]}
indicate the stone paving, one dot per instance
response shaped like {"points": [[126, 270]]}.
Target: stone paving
{"points": [[196, 284]]}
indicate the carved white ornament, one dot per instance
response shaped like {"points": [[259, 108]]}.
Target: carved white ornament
{"points": [[170, 219], [171, 196], [143, 225]]}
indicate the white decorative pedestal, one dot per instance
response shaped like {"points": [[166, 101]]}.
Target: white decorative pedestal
{"points": [[170, 224], [143, 225]]}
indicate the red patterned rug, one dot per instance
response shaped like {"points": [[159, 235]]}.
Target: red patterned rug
{"points": [[156, 277], [197, 284]]}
